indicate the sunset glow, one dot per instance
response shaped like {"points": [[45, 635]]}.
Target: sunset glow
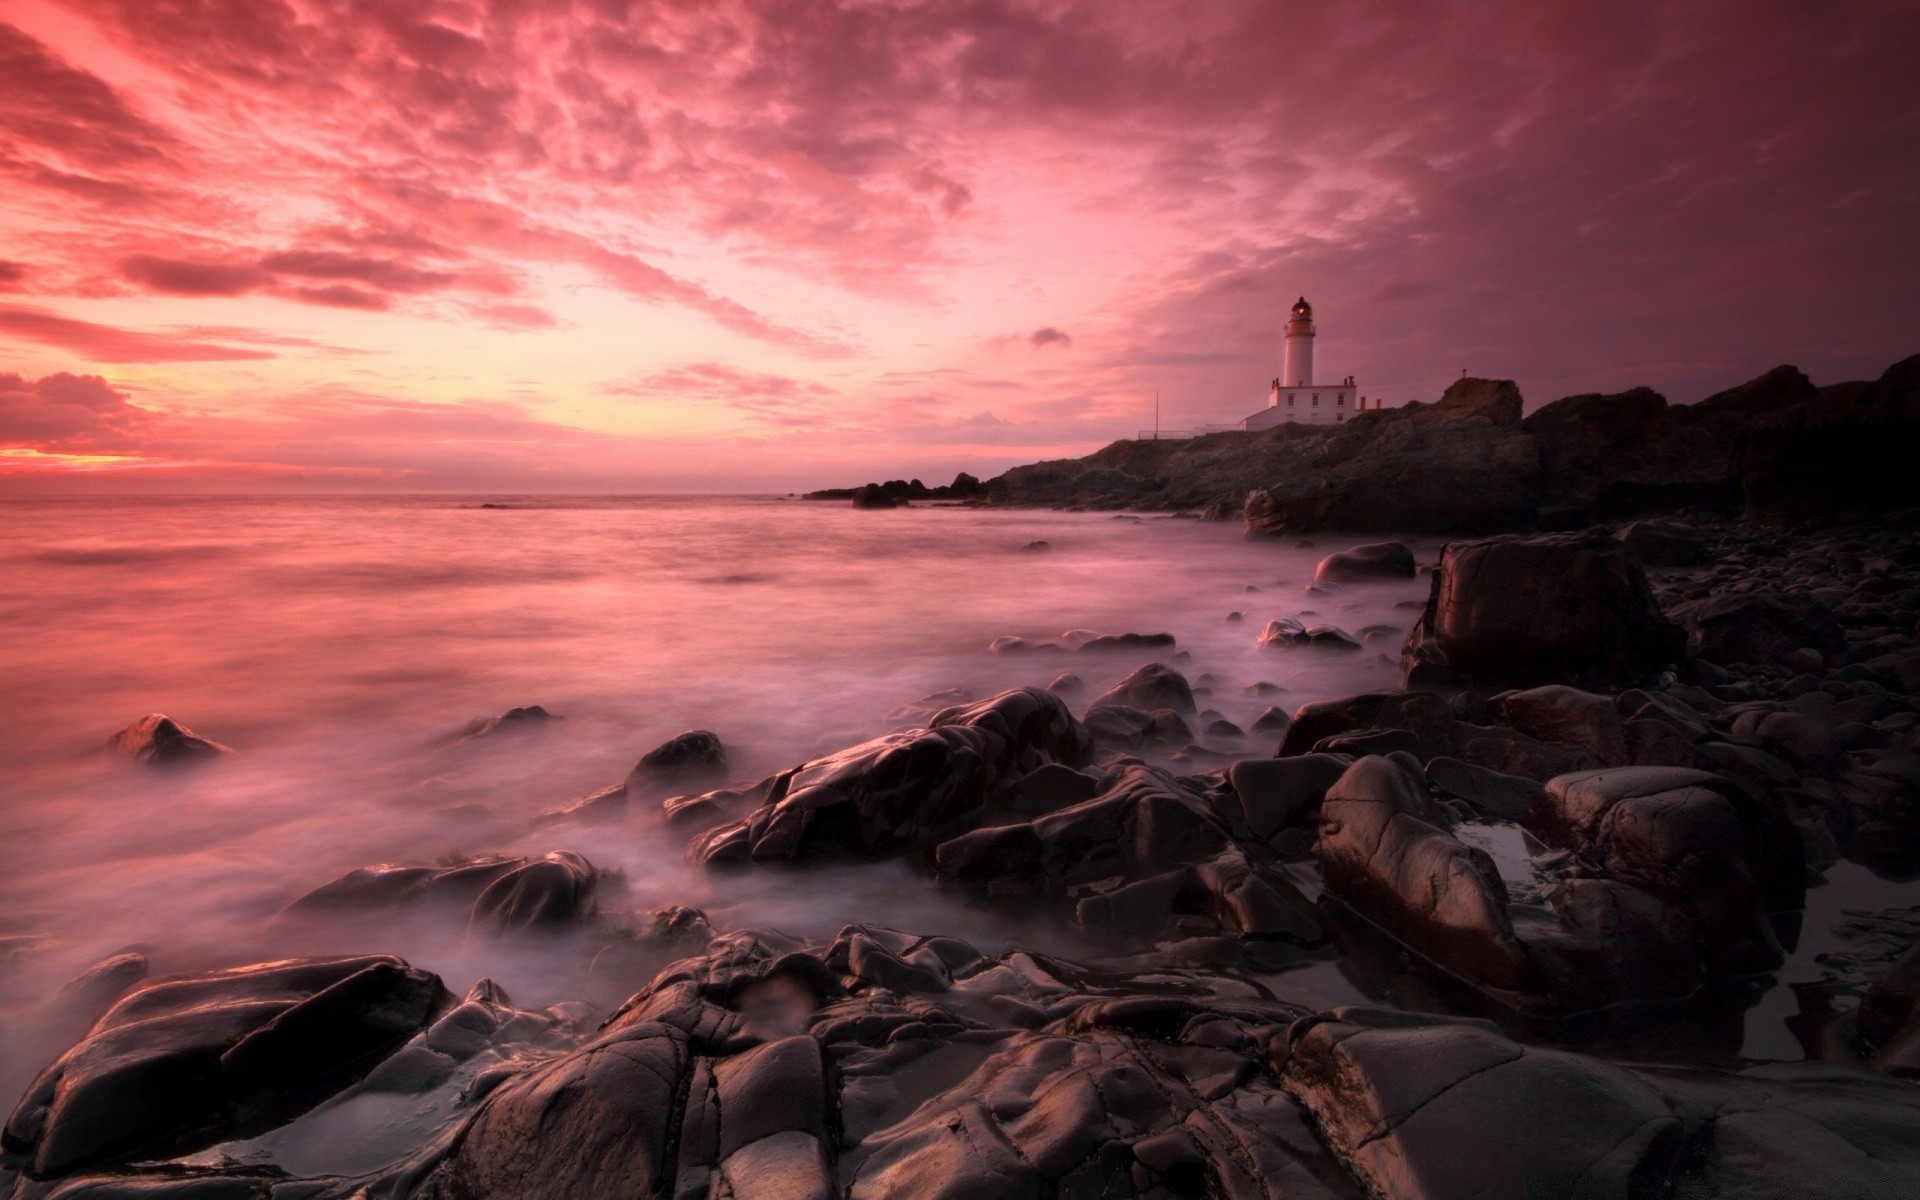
{"points": [[702, 246]]}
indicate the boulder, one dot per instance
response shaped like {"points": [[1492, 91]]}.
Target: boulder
{"points": [[1401, 1096], [1503, 797], [1366, 564], [501, 893], [905, 791], [1658, 543], [524, 717], [182, 1064], [1556, 713], [1553, 608], [1152, 686], [1384, 850], [1758, 627], [161, 741], [1690, 839], [1423, 714], [1286, 632], [692, 755], [1888, 1019], [555, 889], [1281, 793]]}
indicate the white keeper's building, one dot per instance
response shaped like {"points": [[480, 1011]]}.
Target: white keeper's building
{"points": [[1293, 395]]}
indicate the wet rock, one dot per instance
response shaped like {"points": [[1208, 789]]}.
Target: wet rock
{"points": [[1889, 1016], [594, 1123], [1421, 713], [1050, 787], [160, 740], [1282, 793], [1694, 841], [1273, 720], [1152, 686], [1659, 543], [692, 755], [1065, 685], [502, 893], [1128, 641], [905, 791], [555, 889], [182, 1064], [1384, 850], [1020, 645], [874, 496], [513, 719], [1758, 627], [1399, 1096], [1555, 713], [91, 992], [1510, 752], [1366, 564], [1525, 611], [1286, 632], [1504, 797]]}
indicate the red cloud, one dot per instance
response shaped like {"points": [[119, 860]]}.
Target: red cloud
{"points": [[103, 343], [179, 277], [68, 413]]}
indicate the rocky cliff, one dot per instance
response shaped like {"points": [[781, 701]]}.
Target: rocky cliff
{"points": [[1775, 446]]}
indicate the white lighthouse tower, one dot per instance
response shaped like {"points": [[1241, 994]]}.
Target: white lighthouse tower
{"points": [[1298, 371], [1294, 396]]}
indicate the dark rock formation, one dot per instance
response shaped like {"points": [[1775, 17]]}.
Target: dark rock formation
{"points": [[963, 487], [512, 719], [160, 740], [904, 791], [1365, 564], [181, 1064], [1286, 632], [1469, 464], [1553, 608], [1850, 447], [501, 893], [692, 755], [1152, 686]]}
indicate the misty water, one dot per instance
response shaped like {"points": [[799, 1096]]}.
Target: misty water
{"points": [[341, 645]]}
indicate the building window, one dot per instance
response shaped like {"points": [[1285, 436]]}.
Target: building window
{"points": [[1340, 398], [1289, 401], [1316, 399]]}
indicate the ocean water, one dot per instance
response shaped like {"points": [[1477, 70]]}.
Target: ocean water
{"points": [[341, 644]]}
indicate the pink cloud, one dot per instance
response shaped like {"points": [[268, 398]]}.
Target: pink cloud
{"points": [[873, 198], [104, 343], [69, 413]]}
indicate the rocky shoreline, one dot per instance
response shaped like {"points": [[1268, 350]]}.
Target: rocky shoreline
{"points": [[1561, 864]]}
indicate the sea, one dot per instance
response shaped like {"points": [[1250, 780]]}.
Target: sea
{"points": [[342, 644]]}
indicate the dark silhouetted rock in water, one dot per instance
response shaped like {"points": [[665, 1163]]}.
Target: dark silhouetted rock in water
{"points": [[1553, 608], [183, 1064], [691, 755], [501, 893], [514, 718], [555, 889], [1129, 641], [1366, 564], [1152, 686], [1287, 632], [873, 496], [159, 739], [906, 790]]}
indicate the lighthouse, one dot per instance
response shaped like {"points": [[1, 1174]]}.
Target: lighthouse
{"points": [[1298, 371], [1294, 397]]}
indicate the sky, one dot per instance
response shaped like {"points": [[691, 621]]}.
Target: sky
{"points": [[597, 245]]}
